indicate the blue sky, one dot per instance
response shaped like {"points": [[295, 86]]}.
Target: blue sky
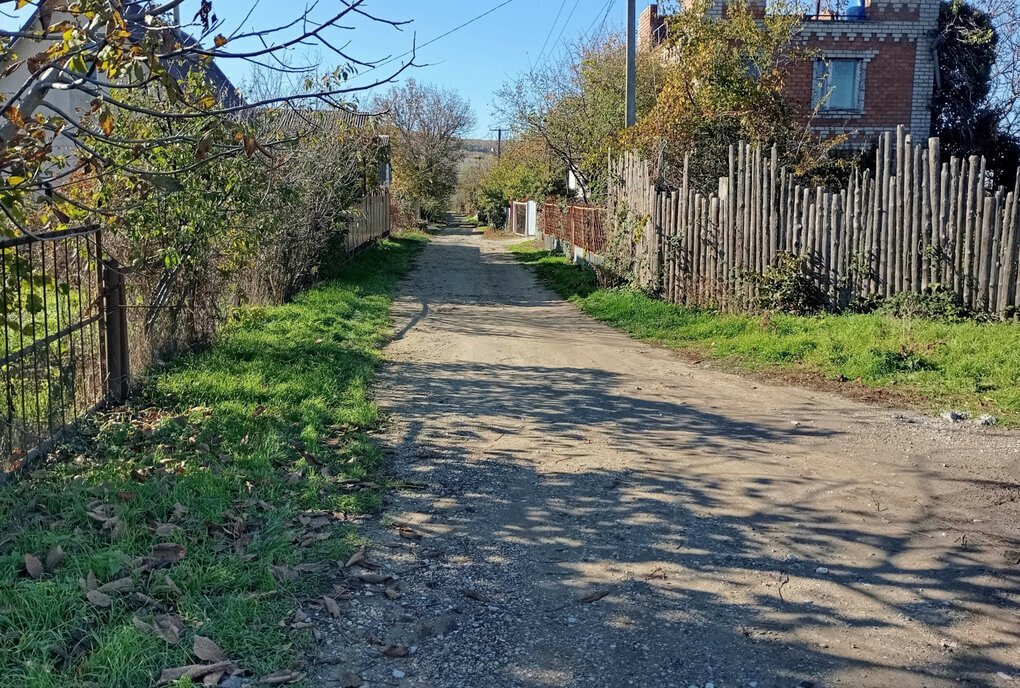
{"points": [[474, 60]]}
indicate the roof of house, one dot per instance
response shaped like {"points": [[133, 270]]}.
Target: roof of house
{"points": [[228, 94], [293, 119]]}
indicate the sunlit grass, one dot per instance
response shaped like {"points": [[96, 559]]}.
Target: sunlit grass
{"points": [[229, 447]]}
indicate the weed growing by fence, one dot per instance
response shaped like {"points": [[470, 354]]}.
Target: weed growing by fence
{"points": [[939, 363], [214, 504]]}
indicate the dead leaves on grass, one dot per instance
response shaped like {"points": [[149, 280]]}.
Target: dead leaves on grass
{"points": [[194, 671], [284, 676], [207, 650], [55, 558], [33, 567], [98, 599]]}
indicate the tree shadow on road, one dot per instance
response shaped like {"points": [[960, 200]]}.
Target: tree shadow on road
{"points": [[721, 559]]}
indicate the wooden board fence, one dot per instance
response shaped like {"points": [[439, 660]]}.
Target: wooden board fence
{"points": [[371, 220], [913, 221]]}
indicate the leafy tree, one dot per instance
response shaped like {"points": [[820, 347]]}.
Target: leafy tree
{"points": [[1004, 98], [524, 171], [577, 107], [105, 51], [725, 84], [427, 124], [964, 116]]}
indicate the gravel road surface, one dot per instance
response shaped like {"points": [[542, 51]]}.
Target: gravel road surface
{"points": [[593, 511]]}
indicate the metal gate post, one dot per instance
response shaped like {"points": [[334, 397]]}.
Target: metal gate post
{"points": [[118, 361]]}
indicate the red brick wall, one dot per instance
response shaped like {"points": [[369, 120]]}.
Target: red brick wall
{"points": [[648, 24], [888, 85]]}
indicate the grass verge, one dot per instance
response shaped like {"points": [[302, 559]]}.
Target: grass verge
{"points": [[214, 504], [967, 365]]}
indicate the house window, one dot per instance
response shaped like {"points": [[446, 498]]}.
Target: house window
{"points": [[838, 85]]}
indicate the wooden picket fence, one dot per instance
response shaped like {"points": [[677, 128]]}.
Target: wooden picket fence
{"points": [[913, 221]]}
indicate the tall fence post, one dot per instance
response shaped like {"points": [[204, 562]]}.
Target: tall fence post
{"points": [[118, 361]]}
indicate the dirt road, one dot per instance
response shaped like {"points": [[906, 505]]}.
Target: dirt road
{"points": [[597, 512]]}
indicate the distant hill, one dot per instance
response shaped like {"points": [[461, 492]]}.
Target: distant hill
{"points": [[483, 146]]}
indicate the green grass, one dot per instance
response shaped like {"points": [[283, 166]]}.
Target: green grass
{"points": [[231, 447], [968, 365]]}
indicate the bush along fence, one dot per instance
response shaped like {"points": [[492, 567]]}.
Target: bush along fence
{"points": [[913, 222], [68, 329]]}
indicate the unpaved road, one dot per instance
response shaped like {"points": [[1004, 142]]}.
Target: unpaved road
{"points": [[742, 534]]}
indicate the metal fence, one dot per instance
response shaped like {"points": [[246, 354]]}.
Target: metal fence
{"points": [[580, 226], [56, 365], [66, 329]]}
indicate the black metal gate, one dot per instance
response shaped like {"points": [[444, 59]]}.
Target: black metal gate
{"points": [[64, 337]]}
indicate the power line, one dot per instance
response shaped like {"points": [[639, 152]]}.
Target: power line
{"points": [[552, 28], [604, 13], [439, 37], [569, 16]]}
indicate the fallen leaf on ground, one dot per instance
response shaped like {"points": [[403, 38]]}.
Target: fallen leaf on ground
{"points": [[55, 558], [408, 533], [278, 678], [207, 650], [331, 606], [99, 599], [356, 558], [191, 671], [165, 529], [395, 651], [168, 628], [593, 597], [282, 573], [141, 626], [127, 496], [213, 679], [259, 410], [392, 592], [33, 566], [350, 681], [119, 585], [373, 578], [168, 552], [475, 595]]}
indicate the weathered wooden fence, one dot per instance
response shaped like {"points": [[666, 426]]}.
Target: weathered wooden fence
{"points": [[912, 221], [371, 220]]}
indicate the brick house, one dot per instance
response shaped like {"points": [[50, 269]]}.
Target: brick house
{"points": [[874, 70]]}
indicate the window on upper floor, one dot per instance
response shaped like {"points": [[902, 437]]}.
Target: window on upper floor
{"points": [[837, 85], [820, 9]]}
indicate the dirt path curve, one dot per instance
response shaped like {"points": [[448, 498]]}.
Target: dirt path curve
{"points": [[735, 534]]}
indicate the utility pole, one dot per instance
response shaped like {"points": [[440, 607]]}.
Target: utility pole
{"points": [[631, 64]]}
